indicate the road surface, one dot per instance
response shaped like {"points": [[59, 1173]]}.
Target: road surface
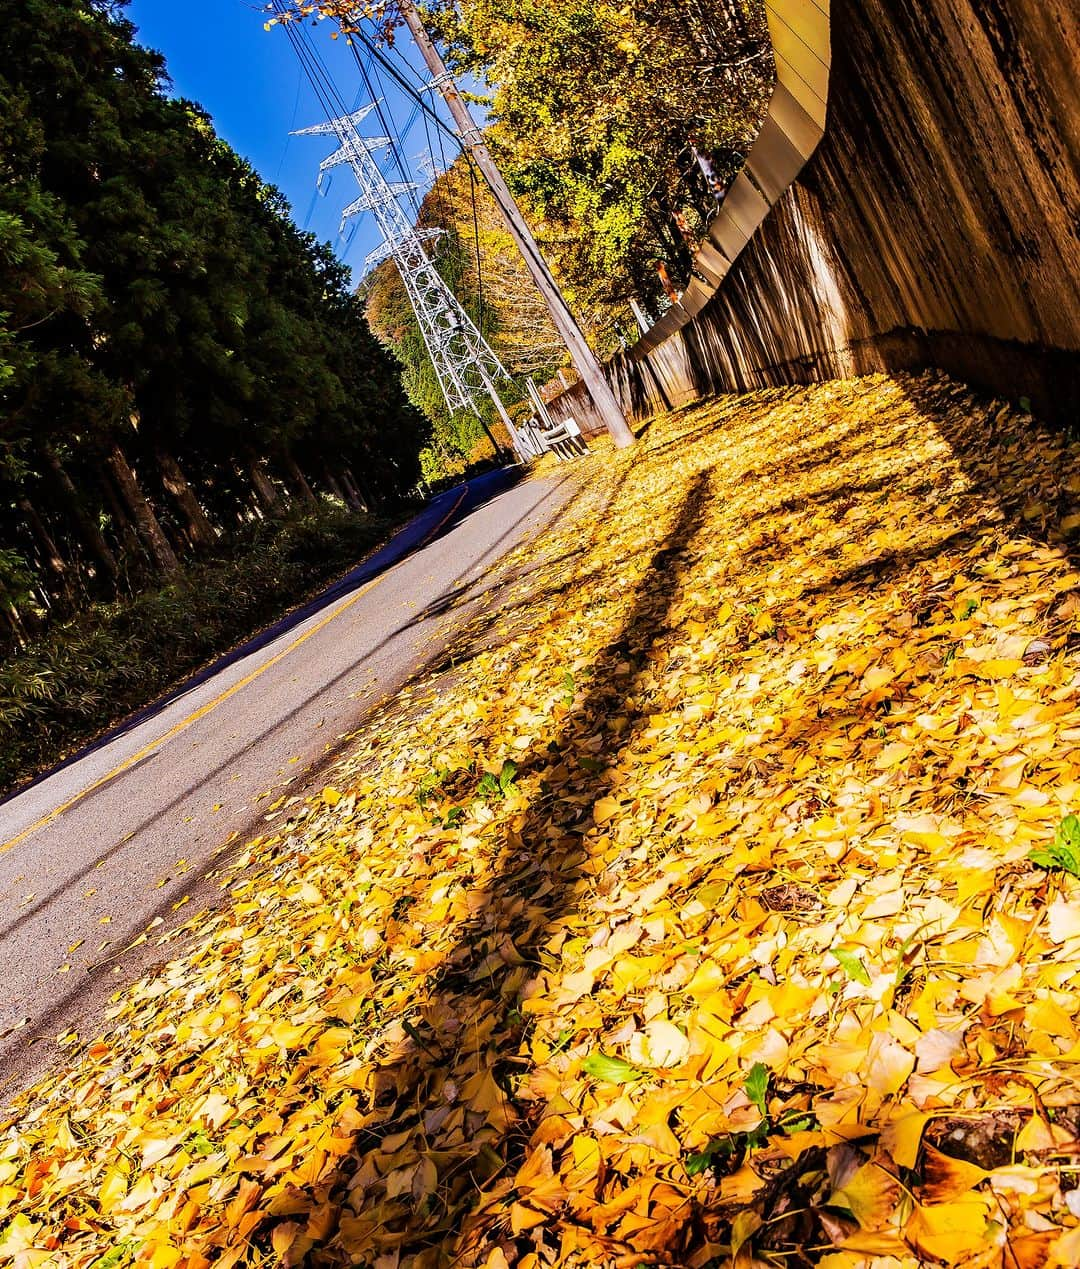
{"points": [[93, 852]]}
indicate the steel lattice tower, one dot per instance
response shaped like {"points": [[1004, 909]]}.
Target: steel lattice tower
{"points": [[464, 363]]}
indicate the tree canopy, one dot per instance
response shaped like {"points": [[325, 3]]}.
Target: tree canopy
{"points": [[175, 355], [594, 109]]}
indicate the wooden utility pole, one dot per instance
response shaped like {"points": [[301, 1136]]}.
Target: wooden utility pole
{"points": [[603, 399]]}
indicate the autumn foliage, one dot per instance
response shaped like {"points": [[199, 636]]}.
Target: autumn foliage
{"points": [[684, 915]]}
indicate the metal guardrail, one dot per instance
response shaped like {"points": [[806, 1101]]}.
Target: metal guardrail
{"points": [[564, 440]]}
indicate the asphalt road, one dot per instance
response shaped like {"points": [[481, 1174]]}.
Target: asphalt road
{"points": [[94, 852]]}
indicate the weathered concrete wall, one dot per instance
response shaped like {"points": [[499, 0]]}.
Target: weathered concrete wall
{"points": [[936, 223]]}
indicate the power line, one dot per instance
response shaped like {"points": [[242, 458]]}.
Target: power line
{"points": [[476, 242], [318, 75], [393, 46], [454, 259], [296, 107], [387, 129], [464, 363], [603, 397], [403, 84], [319, 80], [400, 133], [430, 149], [375, 55], [333, 103], [528, 249]]}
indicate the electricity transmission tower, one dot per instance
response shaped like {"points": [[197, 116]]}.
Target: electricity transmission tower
{"points": [[464, 363]]}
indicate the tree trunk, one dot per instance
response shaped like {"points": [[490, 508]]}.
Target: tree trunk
{"points": [[11, 626], [200, 531], [146, 522], [54, 562], [263, 486], [333, 486], [680, 260], [12, 618], [356, 498], [89, 530], [365, 491], [642, 318], [132, 553], [299, 480]]}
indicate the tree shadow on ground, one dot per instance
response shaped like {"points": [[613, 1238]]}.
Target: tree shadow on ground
{"points": [[990, 443], [443, 1101], [444, 1054], [986, 446], [16, 1062], [499, 607]]}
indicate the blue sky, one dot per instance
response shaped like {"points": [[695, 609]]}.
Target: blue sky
{"points": [[250, 82]]}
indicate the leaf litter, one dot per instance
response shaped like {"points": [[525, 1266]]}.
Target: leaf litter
{"points": [[716, 906]]}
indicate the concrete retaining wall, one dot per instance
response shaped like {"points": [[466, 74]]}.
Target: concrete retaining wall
{"points": [[913, 200]]}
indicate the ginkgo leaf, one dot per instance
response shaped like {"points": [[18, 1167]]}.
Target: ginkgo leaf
{"points": [[871, 1196], [1063, 920], [614, 1070], [743, 1228], [951, 1231], [851, 964], [945, 1179], [660, 1044], [19, 1235]]}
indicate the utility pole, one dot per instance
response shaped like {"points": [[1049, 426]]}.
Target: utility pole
{"points": [[604, 402], [642, 318]]}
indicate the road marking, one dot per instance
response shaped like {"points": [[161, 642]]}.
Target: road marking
{"points": [[203, 710]]}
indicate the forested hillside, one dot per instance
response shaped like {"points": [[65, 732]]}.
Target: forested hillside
{"points": [[177, 360], [192, 407]]}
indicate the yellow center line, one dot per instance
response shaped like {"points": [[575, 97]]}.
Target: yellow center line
{"points": [[203, 710]]}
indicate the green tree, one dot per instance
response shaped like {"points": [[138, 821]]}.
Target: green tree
{"points": [[593, 106], [176, 358]]}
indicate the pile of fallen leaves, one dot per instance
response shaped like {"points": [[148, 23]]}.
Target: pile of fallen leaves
{"points": [[716, 903]]}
